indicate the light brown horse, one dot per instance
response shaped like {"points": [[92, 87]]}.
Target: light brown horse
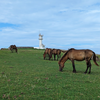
{"points": [[79, 55], [12, 47], [56, 52], [47, 52]]}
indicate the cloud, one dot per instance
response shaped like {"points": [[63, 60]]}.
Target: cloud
{"points": [[64, 24]]}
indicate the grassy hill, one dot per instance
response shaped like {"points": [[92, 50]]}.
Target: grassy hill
{"points": [[26, 76]]}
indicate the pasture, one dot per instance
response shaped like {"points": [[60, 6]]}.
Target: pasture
{"points": [[26, 76]]}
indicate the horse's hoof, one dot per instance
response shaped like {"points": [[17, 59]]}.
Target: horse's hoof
{"points": [[74, 72], [60, 70]]}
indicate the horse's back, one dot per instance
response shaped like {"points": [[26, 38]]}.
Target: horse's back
{"points": [[58, 51], [89, 53], [80, 55], [54, 51], [77, 55]]}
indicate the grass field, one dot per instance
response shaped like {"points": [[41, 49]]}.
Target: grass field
{"points": [[26, 76]]}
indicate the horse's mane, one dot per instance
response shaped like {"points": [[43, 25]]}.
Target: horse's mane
{"points": [[65, 54]]}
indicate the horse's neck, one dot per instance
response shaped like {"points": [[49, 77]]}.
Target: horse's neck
{"points": [[64, 59]]}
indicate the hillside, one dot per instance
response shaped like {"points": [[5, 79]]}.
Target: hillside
{"points": [[26, 76]]}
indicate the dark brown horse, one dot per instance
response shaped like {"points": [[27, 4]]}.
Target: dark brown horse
{"points": [[47, 52], [12, 47], [56, 52], [79, 55]]}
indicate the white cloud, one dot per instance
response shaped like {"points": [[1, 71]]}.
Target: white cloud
{"points": [[64, 24]]}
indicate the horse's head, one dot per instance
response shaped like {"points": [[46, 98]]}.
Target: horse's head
{"points": [[44, 55], [61, 66]]}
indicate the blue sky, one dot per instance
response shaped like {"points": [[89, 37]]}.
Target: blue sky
{"points": [[64, 24]]}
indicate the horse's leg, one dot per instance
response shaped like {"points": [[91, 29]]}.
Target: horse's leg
{"points": [[57, 57], [49, 56], [54, 56], [74, 70], [88, 65], [16, 50]]}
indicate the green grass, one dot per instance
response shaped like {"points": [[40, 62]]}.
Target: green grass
{"points": [[26, 76]]}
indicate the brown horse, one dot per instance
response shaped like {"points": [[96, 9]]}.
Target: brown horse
{"points": [[79, 55], [47, 52], [12, 47], [56, 52]]}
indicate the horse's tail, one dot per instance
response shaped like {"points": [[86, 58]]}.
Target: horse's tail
{"points": [[94, 59]]}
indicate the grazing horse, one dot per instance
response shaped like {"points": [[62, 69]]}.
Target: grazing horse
{"points": [[79, 55], [13, 47], [56, 52], [47, 52]]}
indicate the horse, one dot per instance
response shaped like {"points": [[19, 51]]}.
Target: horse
{"points": [[78, 55], [13, 47], [47, 52], [56, 52]]}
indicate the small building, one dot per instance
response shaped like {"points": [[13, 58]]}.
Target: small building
{"points": [[41, 46]]}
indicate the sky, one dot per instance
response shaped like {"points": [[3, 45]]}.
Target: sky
{"points": [[64, 24]]}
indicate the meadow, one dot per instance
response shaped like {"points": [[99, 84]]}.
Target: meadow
{"points": [[27, 76]]}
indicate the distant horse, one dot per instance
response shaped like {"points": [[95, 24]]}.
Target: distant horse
{"points": [[12, 47], [56, 52], [79, 55], [47, 52]]}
